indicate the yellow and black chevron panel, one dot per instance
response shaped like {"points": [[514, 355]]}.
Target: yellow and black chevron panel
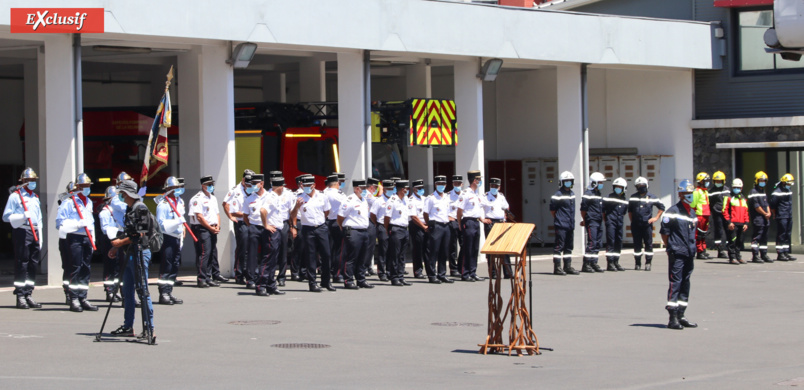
{"points": [[433, 123]]}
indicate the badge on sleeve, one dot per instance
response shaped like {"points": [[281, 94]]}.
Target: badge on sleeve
{"points": [[666, 219]]}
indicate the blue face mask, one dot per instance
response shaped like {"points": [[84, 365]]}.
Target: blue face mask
{"points": [[688, 198], [457, 190], [600, 186], [618, 190], [762, 184], [364, 194], [307, 190], [737, 190], [211, 189], [420, 191], [718, 185], [178, 191], [480, 183], [568, 184], [31, 185], [249, 190], [493, 191], [440, 188], [86, 191], [393, 191], [122, 199], [706, 184]]}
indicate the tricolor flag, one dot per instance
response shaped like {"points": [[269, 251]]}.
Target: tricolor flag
{"points": [[156, 152]]}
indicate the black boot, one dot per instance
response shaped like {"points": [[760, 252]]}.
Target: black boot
{"points": [[756, 259], [673, 324], [75, 306], [597, 267], [31, 303], [637, 264], [765, 258], [86, 305], [617, 265], [21, 303], [789, 258], [647, 264], [780, 257], [568, 268], [721, 254], [610, 266], [587, 267], [557, 268], [701, 256], [683, 320], [176, 301], [164, 299]]}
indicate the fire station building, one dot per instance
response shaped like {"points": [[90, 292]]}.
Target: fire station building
{"points": [[629, 80]]}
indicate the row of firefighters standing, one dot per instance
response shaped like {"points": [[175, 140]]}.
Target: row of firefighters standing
{"points": [[333, 226]]}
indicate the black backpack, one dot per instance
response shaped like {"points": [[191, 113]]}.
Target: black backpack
{"points": [[154, 236]]}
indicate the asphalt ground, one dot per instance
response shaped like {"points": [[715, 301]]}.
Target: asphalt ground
{"points": [[607, 331]]}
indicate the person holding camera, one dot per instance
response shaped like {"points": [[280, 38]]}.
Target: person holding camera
{"points": [[132, 244]]}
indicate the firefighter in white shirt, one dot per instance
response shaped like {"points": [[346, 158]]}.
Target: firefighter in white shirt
{"points": [[353, 218], [378, 219], [455, 238], [272, 218], [233, 208], [313, 206], [335, 197], [418, 229], [287, 199], [436, 216], [496, 208], [205, 223], [371, 188], [397, 214], [471, 214]]}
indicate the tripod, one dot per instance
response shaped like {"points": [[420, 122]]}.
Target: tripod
{"points": [[141, 287]]}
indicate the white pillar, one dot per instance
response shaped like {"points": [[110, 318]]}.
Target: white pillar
{"points": [[351, 115], [274, 87], [570, 136], [469, 153], [313, 80], [420, 159], [206, 143], [56, 131], [31, 104]]}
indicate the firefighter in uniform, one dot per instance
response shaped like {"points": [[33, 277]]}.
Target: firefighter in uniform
{"points": [[760, 219], [109, 226], [495, 206], [371, 188], [251, 215], [313, 206], [640, 212], [678, 235], [781, 205], [700, 203], [436, 216], [735, 212], [64, 249], [614, 208], [22, 211], [378, 219], [233, 209], [298, 269], [170, 217], [471, 214], [562, 206], [205, 224], [75, 222], [272, 217], [455, 237], [353, 219], [286, 202], [397, 215], [335, 196], [717, 193], [417, 229], [592, 214]]}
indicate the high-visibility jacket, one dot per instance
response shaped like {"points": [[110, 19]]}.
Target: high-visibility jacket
{"points": [[735, 209], [700, 201]]}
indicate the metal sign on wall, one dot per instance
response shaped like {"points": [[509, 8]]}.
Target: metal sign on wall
{"points": [[57, 20]]}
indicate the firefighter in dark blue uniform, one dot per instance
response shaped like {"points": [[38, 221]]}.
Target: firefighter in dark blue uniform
{"points": [[640, 212], [717, 193], [614, 208], [592, 214], [22, 211], [562, 206], [678, 235], [760, 218], [781, 204]]}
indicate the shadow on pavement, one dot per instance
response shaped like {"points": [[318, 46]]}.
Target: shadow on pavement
{"points": [[662, 326]]}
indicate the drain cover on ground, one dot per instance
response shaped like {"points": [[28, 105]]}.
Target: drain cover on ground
{"points": [[257, 322], [300, 346], [465, 324]]}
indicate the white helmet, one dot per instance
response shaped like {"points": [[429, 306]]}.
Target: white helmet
{"points": [[620, 182], [566, 175], [596, 177], [641, 181], [737, 183]]}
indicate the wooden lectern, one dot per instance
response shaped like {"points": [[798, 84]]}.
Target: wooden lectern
{"points": [[508, 239]]}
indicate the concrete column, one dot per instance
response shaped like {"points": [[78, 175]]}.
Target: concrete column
{"points": [[206, 145], [57, 149], [31, 105], [313, 80], [469, 153], [351, 115], [420, 159], [274, 87], [570, 136]]}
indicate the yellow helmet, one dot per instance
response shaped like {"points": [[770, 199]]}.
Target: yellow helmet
{"points": [[787, 178], [719, 175], [703, 176], [760, 176]]}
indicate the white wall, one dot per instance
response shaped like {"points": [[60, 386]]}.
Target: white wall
{"points": [[12, 111], [526, 115]]}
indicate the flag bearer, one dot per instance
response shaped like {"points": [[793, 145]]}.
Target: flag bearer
{"points": [[170, 217], [640, 212], [781, 204], [614, 208], [735, 211], [760, 218], [678, 234], [23, 212]]}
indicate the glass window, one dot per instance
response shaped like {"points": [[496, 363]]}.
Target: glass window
{"points": [[316, 156], [752, 56]]}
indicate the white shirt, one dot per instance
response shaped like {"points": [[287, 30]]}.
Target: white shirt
{"points": [[355, 212], [336, 197], [437, 207], [453, 204], [235, 198], [286, 202], [165, 212], [272, 205], [370, 200], [417, 206], [470, 203], [378, 208], [207, 206], [312, 208], [252, 207], [494, 206], [398, 210]]}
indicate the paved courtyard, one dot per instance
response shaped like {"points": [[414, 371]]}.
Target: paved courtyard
{"points": [[607, 331]]}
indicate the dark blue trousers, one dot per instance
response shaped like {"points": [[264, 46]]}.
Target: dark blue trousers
{"points": [[471, 246]]}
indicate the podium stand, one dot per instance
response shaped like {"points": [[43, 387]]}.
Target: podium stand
{"points": [[508, 239]]}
